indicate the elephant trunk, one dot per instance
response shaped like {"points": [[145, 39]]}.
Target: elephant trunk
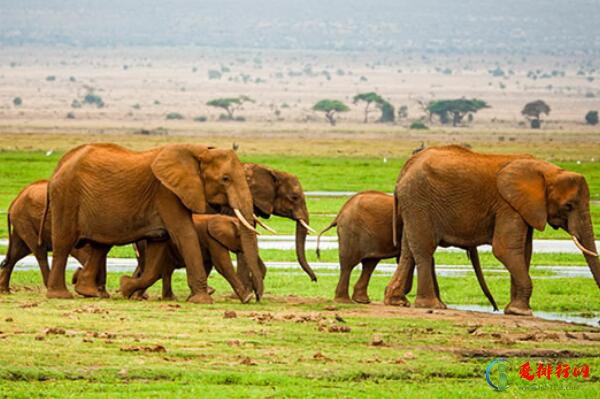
{"points": [[584, 233], [301, 233], [243, 210]]}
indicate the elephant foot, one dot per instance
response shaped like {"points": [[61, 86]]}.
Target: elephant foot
{"points": [[168, 297], [4, 289], [59, 294], [342, 299], [396, 300], [247, 297], [518, 310], [76, 275], [210, 290], [126, 286], [139, 295], [430, 303], [201, 298], [361, 297], [91, 291]]}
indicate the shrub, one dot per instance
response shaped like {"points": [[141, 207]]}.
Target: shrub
{"points": [[75, 104], [71, 115], [174, 116], [93, 99], [50, 78], [200, 118], [591, 118], [418, 125], [17, 101], [214, 74]]}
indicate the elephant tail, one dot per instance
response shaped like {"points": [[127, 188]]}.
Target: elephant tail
{"points": [[395, 220], [10, 240], [474, 257], [331, 225], [44, 215]]}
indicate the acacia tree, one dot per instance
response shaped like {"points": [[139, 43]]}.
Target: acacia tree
{"points": [[533, 112], [591, 118], [368, 98], [229, 104], [455, 110], [388, 113], [330, 108]]}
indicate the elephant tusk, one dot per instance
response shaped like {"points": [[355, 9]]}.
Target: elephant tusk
{"points": [[244, 221], [307, 227], [136, 250], [263, 225], [582, 248]]}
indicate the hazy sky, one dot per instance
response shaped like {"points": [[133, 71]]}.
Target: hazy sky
{"points": [[382, 25]]}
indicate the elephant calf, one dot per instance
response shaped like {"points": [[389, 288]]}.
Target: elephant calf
{"points": [[218, 235], [24, 218], [364, 228]]}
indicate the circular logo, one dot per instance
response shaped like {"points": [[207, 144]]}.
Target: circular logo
{"points": [[502, 377]]}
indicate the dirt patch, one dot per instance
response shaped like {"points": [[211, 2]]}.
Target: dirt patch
{"points": [[140, 348], [528, 353]]}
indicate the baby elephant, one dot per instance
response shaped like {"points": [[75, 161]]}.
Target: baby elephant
{"points": [[24, 217], [364, 228], [218, 235]]}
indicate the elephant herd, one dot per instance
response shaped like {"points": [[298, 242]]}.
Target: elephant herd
{"points": [[188, 205]]}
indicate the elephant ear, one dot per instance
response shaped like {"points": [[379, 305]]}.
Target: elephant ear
{"points": [[263, 186], [522, 184], [225, 230], [178, 169]]}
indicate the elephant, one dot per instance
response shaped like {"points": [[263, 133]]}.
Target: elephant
{"points": [[217, 234], [451, 195], [23, 219], [279, 193], [103, 194], [273, 192], [364, 229]]}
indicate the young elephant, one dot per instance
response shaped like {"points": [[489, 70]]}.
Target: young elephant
{"points": [[24, 217], [364, 228], [218, 235]]}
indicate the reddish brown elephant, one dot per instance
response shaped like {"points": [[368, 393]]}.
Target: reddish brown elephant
{"points": [[23, 219], [104, 195], [217, 234], [454, 196], [364, 229]]}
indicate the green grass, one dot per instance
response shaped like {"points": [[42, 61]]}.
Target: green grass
{"points": [[205, 352], [17, 169]]}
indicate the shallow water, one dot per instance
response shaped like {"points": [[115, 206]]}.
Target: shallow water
{"points": [[593, 321]]}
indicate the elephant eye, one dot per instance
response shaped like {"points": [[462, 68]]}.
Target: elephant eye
{"points": [[226, 179], [569, 207], [295, 198]]}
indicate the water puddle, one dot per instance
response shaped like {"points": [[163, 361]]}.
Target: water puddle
{"points": [[592, 320]]}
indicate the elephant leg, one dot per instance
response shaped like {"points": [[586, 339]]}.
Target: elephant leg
{"points": [[157, 256], [222, 262], [401, 282], [41, 255], [167, 288], [179, 225], [509, 246], [347, 264], [92, 277], [360, 293], [262, 267], [17, 251], [60, 254]]}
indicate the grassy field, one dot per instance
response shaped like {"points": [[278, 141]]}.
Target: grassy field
{"points": [[19, 168], [295, 343]]}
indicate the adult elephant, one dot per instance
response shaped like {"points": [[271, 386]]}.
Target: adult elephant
{"points": [[451, 195], [105, 195], [280, 193]]}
